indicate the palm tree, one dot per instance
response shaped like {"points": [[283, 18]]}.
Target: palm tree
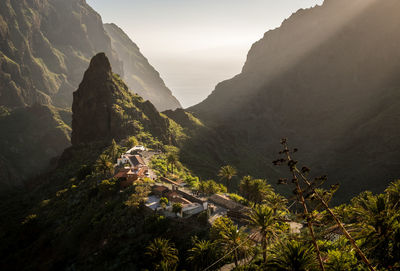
{"points": [[104, 164], [203, 254], [172, 160], [245, 187], [378, 226], [234, 239], [393, 192], [255, 190], [292, 256], [262, 219], [276, 202], [227, 172], [163, 254]]}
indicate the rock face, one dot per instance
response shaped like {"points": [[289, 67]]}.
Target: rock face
{"points": [[44, 49], [139, 75], [104, 109], [328, 79]]}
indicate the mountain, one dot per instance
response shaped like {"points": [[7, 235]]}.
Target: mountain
{"points": [[140, 76], [45, 47], [104, 109], [328, 79], [67, 218]]}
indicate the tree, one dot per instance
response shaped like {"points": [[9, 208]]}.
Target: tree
{"points": [[113, 150], [292, 256], [104, 165], [163, 202], [227, 172], [262, 219], [245, 187], [220, 225], [210, 187], [276, 202], [132, 142], [203, 254], [177, 208], [379, 225], [299, 178], [234, 240], [172, 161], [139, 197], [339, 260], [162, 254], [255, 190], [393, 192]]}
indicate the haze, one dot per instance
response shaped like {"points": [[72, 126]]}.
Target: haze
{"points": [[195, 44]]}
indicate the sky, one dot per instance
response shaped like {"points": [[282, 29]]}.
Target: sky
{"points": [[195, 44]]}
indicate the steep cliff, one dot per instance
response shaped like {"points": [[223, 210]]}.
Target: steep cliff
{"points": [[139, 75], [44, 49], [104, 109], [328, 79]]}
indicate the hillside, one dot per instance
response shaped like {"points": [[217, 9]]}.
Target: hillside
{"points": [[45, 47], [32, 137], [328, 79], [139, 75]]}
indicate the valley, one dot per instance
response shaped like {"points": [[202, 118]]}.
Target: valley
{"points": [[293, 164]]}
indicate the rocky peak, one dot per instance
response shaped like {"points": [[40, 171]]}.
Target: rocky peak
{"points": [[99, 66], [104, 109]]}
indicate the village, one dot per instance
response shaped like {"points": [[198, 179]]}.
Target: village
{"points": [[173, 198]]}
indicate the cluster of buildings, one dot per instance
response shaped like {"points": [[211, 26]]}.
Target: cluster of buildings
{"points": [[131, 166], [191, 205]]}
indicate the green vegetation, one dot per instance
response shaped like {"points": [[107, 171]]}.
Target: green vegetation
{"points": [[227, 172], [263, 220], [163, 254], [81, 205], [210, 187], [177, 208]]}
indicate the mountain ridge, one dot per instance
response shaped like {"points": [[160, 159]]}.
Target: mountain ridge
{"points": [[322, 95], [139, 75]]}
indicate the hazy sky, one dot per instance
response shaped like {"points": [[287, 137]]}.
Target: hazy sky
{"points": [[195, 44]]}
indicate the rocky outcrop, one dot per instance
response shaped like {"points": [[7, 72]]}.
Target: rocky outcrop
{"points": [[139, 75], [45, 47], [328, 79], [104, 109]]}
